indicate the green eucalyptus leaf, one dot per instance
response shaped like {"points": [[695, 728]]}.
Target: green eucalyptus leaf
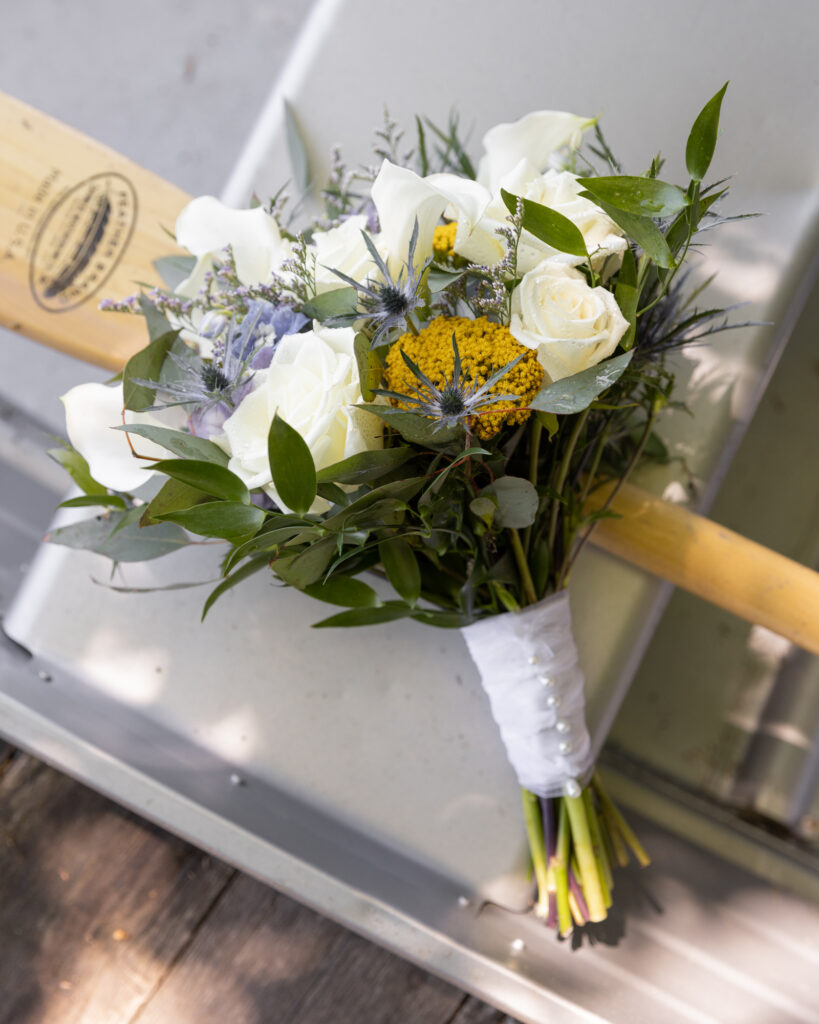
{"points": [[415, 429], [119, 537], [291, 466], [344, 591], [401, 567], [308, 566], [439, 279], [548, 421], [174, 269], [646, 197], [338, 302], [267, 539], [186, 446], [157, 324], [77, 468], [702, 141], [297, 151], [387, 612], [549, 226], [574, 394], [642, 230], [365, 466], [227, 520], [206, 476], [145, 365], [370, 368], [248, 569], [517, 501], [484, 508]]}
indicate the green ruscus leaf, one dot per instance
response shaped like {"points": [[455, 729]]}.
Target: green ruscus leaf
{"points": [[291, 466], [401, 568], [645, 197], [549, 226], [699, 150]]}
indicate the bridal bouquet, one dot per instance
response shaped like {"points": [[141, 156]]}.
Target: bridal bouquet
{"points": [[425, 384]]}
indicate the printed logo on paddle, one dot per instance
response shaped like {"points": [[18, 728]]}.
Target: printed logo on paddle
{"points": [[81, 240]]}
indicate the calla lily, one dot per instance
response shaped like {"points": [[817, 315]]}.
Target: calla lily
{"points": [[534, 137], [91, 411], [401, 197], [206, 226]]}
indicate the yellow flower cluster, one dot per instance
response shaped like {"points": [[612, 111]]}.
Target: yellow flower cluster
{"points": [[443, 238], [484, 349]]}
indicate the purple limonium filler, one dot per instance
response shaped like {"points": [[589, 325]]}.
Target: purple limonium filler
{"points": [[212, 388]]}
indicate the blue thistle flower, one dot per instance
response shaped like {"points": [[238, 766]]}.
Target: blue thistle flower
{"points": [[388, 303]]}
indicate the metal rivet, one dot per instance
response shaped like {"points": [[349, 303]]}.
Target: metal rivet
{"points": [[518, 945], [565, 747]]}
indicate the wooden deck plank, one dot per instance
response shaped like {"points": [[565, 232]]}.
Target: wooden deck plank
{"points": [[475, 1012], [106, 919], [261, 957], [95, 905]]}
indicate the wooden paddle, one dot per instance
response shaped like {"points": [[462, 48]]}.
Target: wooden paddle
{"points": [[79, 222]]}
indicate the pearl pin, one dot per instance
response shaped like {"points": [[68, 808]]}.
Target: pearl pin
{"points": [[545, 680], [562, 727], [565, 748], [552, 701]]}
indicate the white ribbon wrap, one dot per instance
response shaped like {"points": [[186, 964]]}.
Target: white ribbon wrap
{"points": [[529, 669]]}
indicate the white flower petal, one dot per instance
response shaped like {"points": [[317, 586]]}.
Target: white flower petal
{"points": [[400, 197], [91, 411], [534, 137]]}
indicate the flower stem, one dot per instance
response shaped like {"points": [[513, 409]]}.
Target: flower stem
{"points": [[537, 848], [560, 864], [603, 866], [523, 567], [534, 457], [620, 823], [589, 875]]}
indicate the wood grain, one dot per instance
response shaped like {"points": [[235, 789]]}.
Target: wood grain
{"points": [[106, 919], [287, 964], [94, 903], [713, 562]]}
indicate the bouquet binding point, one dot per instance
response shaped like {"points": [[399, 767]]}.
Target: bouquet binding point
{"points": [[426, 382]]}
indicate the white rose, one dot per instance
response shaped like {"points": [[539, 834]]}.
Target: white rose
{"points": [[92, 411], [313, 384], [342, 248], [558, 190], [535, 137], [570, 325]]}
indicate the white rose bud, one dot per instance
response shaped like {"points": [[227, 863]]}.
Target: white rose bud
{"points": [[313, 384], [570, 325]]}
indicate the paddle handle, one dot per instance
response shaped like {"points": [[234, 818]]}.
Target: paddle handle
{"points": [[711, 561], [78, 223]]}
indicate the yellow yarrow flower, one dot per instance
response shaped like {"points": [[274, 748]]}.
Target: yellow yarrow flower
{"points": [[484, 349], [443, 238]]}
